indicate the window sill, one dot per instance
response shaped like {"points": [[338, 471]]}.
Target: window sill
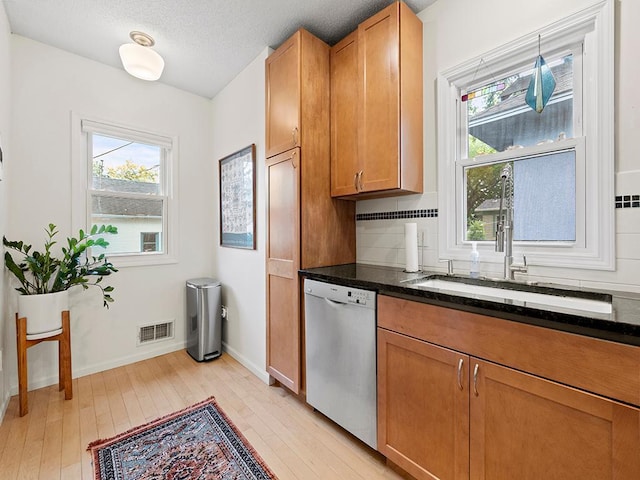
{"points": [[125, 261]]}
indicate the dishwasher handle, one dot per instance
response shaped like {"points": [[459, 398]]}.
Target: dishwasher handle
{"points": [[333, 302]]}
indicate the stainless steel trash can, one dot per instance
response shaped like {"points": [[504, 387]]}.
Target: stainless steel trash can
{"points": [[204, 319]]}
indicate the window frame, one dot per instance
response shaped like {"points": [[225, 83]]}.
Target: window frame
{"points": [[595, 242], [83, 128], [157, 240]]}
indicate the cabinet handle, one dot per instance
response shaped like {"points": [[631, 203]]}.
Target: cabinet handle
{"points": [[360, 180], [460, 363], [293, 160], [355, 181], [475, 379], [294, 135]]}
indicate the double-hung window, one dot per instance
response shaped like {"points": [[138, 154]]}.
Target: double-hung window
{"points": [[558, 163], [128, 185]]}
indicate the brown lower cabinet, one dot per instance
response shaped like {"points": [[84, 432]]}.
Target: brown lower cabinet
{"points": [[444, 415], [306, 228], [423, 415], [523, 426], [283, 262]]}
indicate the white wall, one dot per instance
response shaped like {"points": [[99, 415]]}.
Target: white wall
{"points": [[5, 121], [489, 25], [239, 121], [47, 85]]}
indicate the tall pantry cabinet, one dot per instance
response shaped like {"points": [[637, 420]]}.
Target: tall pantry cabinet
{"points": [[306, 227]]}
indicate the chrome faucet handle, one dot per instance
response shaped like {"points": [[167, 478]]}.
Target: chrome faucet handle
{"points": [[524, 268], [449, 265]]}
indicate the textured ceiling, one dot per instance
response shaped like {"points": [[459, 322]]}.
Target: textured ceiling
{"points": [[205, 43]]}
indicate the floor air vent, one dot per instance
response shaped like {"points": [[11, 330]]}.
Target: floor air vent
{"points": [[154, 333]]}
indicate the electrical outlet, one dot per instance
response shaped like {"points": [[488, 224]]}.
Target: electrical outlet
{"points": [[224, 312]]}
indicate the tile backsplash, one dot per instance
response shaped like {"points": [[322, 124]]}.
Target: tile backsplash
{"points": [[380, 229], [627, 201], [380, 239], [403, 214]]}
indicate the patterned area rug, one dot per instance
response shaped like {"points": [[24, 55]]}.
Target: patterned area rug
{"points": [[199, 442]]}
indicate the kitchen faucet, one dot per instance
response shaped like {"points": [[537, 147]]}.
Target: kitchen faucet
{"points": [[504, 228]]}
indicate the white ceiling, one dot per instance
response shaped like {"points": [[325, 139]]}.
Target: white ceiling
{"points": [[205, 43]]}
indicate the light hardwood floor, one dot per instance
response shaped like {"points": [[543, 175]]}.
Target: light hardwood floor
{"points": [[296, 443]]}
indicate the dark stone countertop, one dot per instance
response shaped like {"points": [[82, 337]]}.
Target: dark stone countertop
{"points": [[622, 325]]}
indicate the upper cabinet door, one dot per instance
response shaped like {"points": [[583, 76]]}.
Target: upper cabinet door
{"points": [[377, 107], [344, 117], [283, 97], [379, 46]]}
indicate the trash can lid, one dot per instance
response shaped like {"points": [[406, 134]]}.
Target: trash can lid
{"points": [[203, 282]]}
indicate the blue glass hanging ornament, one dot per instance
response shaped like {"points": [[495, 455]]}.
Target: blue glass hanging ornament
{"points": [[542, 84]]}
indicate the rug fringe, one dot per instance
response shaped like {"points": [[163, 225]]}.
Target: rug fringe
{"points": [[115, 438]]}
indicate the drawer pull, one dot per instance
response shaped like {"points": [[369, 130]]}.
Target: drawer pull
{"points": [[475, 379], [460, 364]]}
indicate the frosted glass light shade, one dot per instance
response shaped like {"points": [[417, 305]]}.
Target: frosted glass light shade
{"points": [[141, 62]]}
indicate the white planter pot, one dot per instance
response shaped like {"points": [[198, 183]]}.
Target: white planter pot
{"points": [[43, 312]]}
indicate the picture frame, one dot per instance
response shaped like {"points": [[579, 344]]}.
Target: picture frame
{"points": [[237, 176]]}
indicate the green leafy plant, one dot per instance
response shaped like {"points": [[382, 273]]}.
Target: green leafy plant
{"points": [[42, 272], [475, 229]]}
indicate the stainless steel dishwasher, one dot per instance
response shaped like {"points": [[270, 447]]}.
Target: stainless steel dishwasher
{"points": [[340, 339]]}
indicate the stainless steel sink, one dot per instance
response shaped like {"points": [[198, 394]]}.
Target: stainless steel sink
{"points": [[557, 299]]}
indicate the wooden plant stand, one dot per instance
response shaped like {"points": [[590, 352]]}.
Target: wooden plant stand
{"points": [[64, 358]]}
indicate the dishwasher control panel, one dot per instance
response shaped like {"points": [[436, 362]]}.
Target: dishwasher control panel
{"points": [[361, 297], [340, 293]]}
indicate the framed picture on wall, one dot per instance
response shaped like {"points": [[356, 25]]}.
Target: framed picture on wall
{"points": [[237, 199]]}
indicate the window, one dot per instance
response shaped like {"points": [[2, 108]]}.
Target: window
{"points": [[538, 181], [149, 242], [560, 161], [497, 119], [127, 178]]}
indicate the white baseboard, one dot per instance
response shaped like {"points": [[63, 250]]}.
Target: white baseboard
{"points": [[3, 407], [244, 361], [160, 349]]}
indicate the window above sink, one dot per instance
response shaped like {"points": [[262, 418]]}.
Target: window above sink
{"points": [[562, 158]]}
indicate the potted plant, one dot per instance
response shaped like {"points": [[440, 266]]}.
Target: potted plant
{"points": [[45, 279]]}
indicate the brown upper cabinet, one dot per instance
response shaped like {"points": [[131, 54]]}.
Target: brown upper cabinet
{"points": [[377, 107], [283, 97]]}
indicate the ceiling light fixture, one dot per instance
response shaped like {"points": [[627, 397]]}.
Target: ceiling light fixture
{"points": [[139, 59]]}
